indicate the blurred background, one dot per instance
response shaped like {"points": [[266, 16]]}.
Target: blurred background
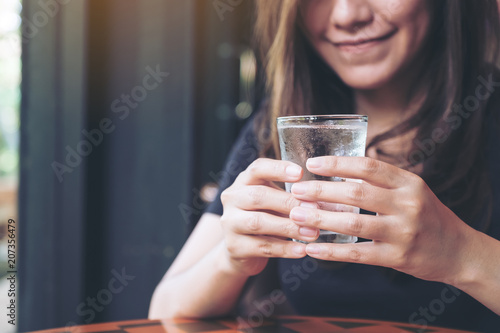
{"points": [[115, 120]]}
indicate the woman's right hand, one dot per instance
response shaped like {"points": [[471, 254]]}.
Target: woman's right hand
{"points": [[256, 220]]}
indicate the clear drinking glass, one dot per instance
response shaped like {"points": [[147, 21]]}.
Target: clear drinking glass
{"points": [[303, 137]]}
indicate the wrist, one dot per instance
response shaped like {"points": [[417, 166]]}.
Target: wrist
{"points": [[469, 260], [229, 266]]}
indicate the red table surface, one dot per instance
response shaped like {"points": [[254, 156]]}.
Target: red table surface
{"points": [[281, 324]]}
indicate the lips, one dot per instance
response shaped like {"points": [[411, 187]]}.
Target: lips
{"points": [[360, 42]]}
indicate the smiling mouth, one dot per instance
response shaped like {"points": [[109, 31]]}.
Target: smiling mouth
{"points": [[363, 41]]}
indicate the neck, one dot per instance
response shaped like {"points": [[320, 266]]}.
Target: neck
{"points": [[386, 101], [389, 105]]}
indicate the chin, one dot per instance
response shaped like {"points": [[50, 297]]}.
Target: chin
{"points": [[366, 77], [365, 82]]}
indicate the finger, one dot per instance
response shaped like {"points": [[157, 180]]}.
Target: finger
{"points": [[361, 195], [260, 197], [259, 223], [370, 253], [264, 170], [336, 207], [365, 226], [333, 207], [263, 246], [370, 170]]}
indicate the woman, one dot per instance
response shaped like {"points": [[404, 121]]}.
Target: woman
{"points": [[425, 72]]}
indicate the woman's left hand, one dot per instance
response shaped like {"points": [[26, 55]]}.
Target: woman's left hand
{"points": [[413, 231]]}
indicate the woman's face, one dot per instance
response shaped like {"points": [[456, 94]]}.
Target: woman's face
{"points": [[367, 43]]}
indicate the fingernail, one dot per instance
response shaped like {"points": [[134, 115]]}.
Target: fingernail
{"points": [[314, 163], [299, 188], [308, 232], [308, 204], [298, 250], [312, 248], [298, 214], [293, 170]]}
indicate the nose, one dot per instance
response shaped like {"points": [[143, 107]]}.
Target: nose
{"points": [[351, 15]]}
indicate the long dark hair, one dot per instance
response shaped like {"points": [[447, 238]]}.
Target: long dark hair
{"points": [[461, 52]]}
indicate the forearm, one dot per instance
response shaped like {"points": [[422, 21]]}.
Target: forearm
{"points": [[207, 289], [481, 274]]}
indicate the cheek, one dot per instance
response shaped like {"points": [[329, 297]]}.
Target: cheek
{"points": [[411, 16], [414, 27], [316, 16], [400, 9]]}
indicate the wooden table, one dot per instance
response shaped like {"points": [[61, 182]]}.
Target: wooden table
{"points": [[281, 324]]}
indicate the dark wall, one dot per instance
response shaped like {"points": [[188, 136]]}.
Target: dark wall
{"points": [[128, 108]]}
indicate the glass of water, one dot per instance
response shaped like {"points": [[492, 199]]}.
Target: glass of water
{"points": [[304, 137]]}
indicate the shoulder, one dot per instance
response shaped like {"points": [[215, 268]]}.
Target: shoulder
{"points": [[244, 151], [247, 146], [255, 131]]}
